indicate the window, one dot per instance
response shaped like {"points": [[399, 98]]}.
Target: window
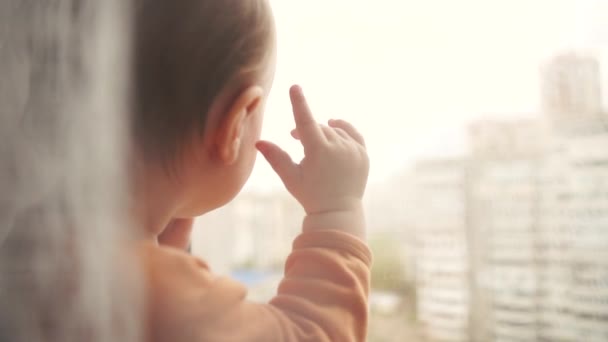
{"points": [[485, 120]]}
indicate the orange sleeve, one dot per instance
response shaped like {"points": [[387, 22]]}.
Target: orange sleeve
{"points": [[322, 297]]}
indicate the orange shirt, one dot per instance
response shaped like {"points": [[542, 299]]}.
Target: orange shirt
{"points": [[322, 297]]}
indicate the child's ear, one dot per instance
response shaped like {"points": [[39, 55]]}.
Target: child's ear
{"points": [[232, 125]]}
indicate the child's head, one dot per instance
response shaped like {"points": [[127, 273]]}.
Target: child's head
{"points": [[202, 71]]}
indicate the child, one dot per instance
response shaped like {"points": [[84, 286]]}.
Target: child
{"points": [[202, 72]]}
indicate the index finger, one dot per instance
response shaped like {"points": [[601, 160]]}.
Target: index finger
{"points": [[308, 128]]}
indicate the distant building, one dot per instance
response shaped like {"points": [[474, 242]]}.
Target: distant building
{"points": [[255, 230], [386, 210], [503, 201], [536, 208], [273, 222], [571, 94], [530, 210], [573, 242], [507, 139], [572, 237], [554, 323], [442, 269], [214, 239]]}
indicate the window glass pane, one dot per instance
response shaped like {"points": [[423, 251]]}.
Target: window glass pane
{"points": [[487, 129]]}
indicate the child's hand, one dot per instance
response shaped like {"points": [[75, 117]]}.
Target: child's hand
{"points": [[330, 181]]}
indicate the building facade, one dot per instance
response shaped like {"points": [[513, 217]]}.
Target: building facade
{"points": [[531, 210], [442, 268], [256, 230]]}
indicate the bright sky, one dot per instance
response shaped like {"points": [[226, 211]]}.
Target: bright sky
{"points": [[410, 74]]}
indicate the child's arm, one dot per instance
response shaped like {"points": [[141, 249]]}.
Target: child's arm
{"points": [[327, 275], [323, 296]]}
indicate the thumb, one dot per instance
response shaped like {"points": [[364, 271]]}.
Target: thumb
{"points": [[279, 160]]}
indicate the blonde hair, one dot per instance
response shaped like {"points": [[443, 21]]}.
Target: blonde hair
{"points": [[185, 53]]}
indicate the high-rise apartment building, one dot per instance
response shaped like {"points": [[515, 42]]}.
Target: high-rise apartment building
{"points": [[442, 269]]}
